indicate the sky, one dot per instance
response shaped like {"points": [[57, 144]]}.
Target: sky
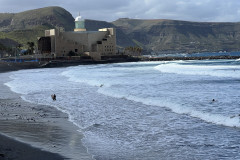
{"points": [[111, 10]]}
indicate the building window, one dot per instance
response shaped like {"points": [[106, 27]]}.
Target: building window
{"points": [[76, 50]]}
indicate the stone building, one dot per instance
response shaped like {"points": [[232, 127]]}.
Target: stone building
{"points": [[80, 42]]}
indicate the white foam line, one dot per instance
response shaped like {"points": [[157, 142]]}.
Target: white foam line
{"points": [[207, 117], [197, 70]]}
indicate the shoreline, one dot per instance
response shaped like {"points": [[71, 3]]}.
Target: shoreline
{"points": [[14, 66], [34, 131], [23, 124]]}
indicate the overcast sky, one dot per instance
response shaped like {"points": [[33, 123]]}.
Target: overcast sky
{"points": [[110, 10]]}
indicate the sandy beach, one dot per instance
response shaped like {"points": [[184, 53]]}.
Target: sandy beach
{"points": [[39, 132]]}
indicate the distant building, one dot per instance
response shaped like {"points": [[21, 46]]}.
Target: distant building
{"points": [[96, 44], [79, 24]]}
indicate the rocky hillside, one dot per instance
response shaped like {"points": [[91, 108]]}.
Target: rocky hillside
{"points": [[27, 26], [161, 36], [181, 36], [50, 16], [123, 39]]}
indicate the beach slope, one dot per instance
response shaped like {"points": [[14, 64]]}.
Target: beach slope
{"points": [[33, 131]]}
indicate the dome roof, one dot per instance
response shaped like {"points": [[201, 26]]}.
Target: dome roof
{"points": [[79, 18]]}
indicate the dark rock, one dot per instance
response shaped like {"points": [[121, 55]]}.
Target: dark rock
{"points": [[2, 155]]}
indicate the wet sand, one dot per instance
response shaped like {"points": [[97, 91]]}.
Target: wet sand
{"points": [[12, 149], [29, 131]]}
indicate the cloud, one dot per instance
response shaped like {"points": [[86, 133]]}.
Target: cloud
{"points": [[110, 10], [191, 10]]}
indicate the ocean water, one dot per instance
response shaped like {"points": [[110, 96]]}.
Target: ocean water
{"points": [[145, 110], [206, 54]]}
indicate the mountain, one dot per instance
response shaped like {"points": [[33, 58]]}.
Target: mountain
{"points": [[122, 38], [27, 26], [50, 17], [181, 36], [157, 35]]}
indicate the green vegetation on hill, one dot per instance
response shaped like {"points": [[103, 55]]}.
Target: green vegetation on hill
{"points": [[26, 26], [24, 36], [50, 16], [150, 35], [5, 20]]}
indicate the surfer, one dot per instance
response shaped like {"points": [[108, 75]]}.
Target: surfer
{"points": [[235, 116]]}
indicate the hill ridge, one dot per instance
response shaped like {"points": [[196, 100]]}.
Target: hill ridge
{"points": [[153, 35]]}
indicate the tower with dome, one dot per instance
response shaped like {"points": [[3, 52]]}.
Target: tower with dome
{"points": [[97, 45], [79, 24]]}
